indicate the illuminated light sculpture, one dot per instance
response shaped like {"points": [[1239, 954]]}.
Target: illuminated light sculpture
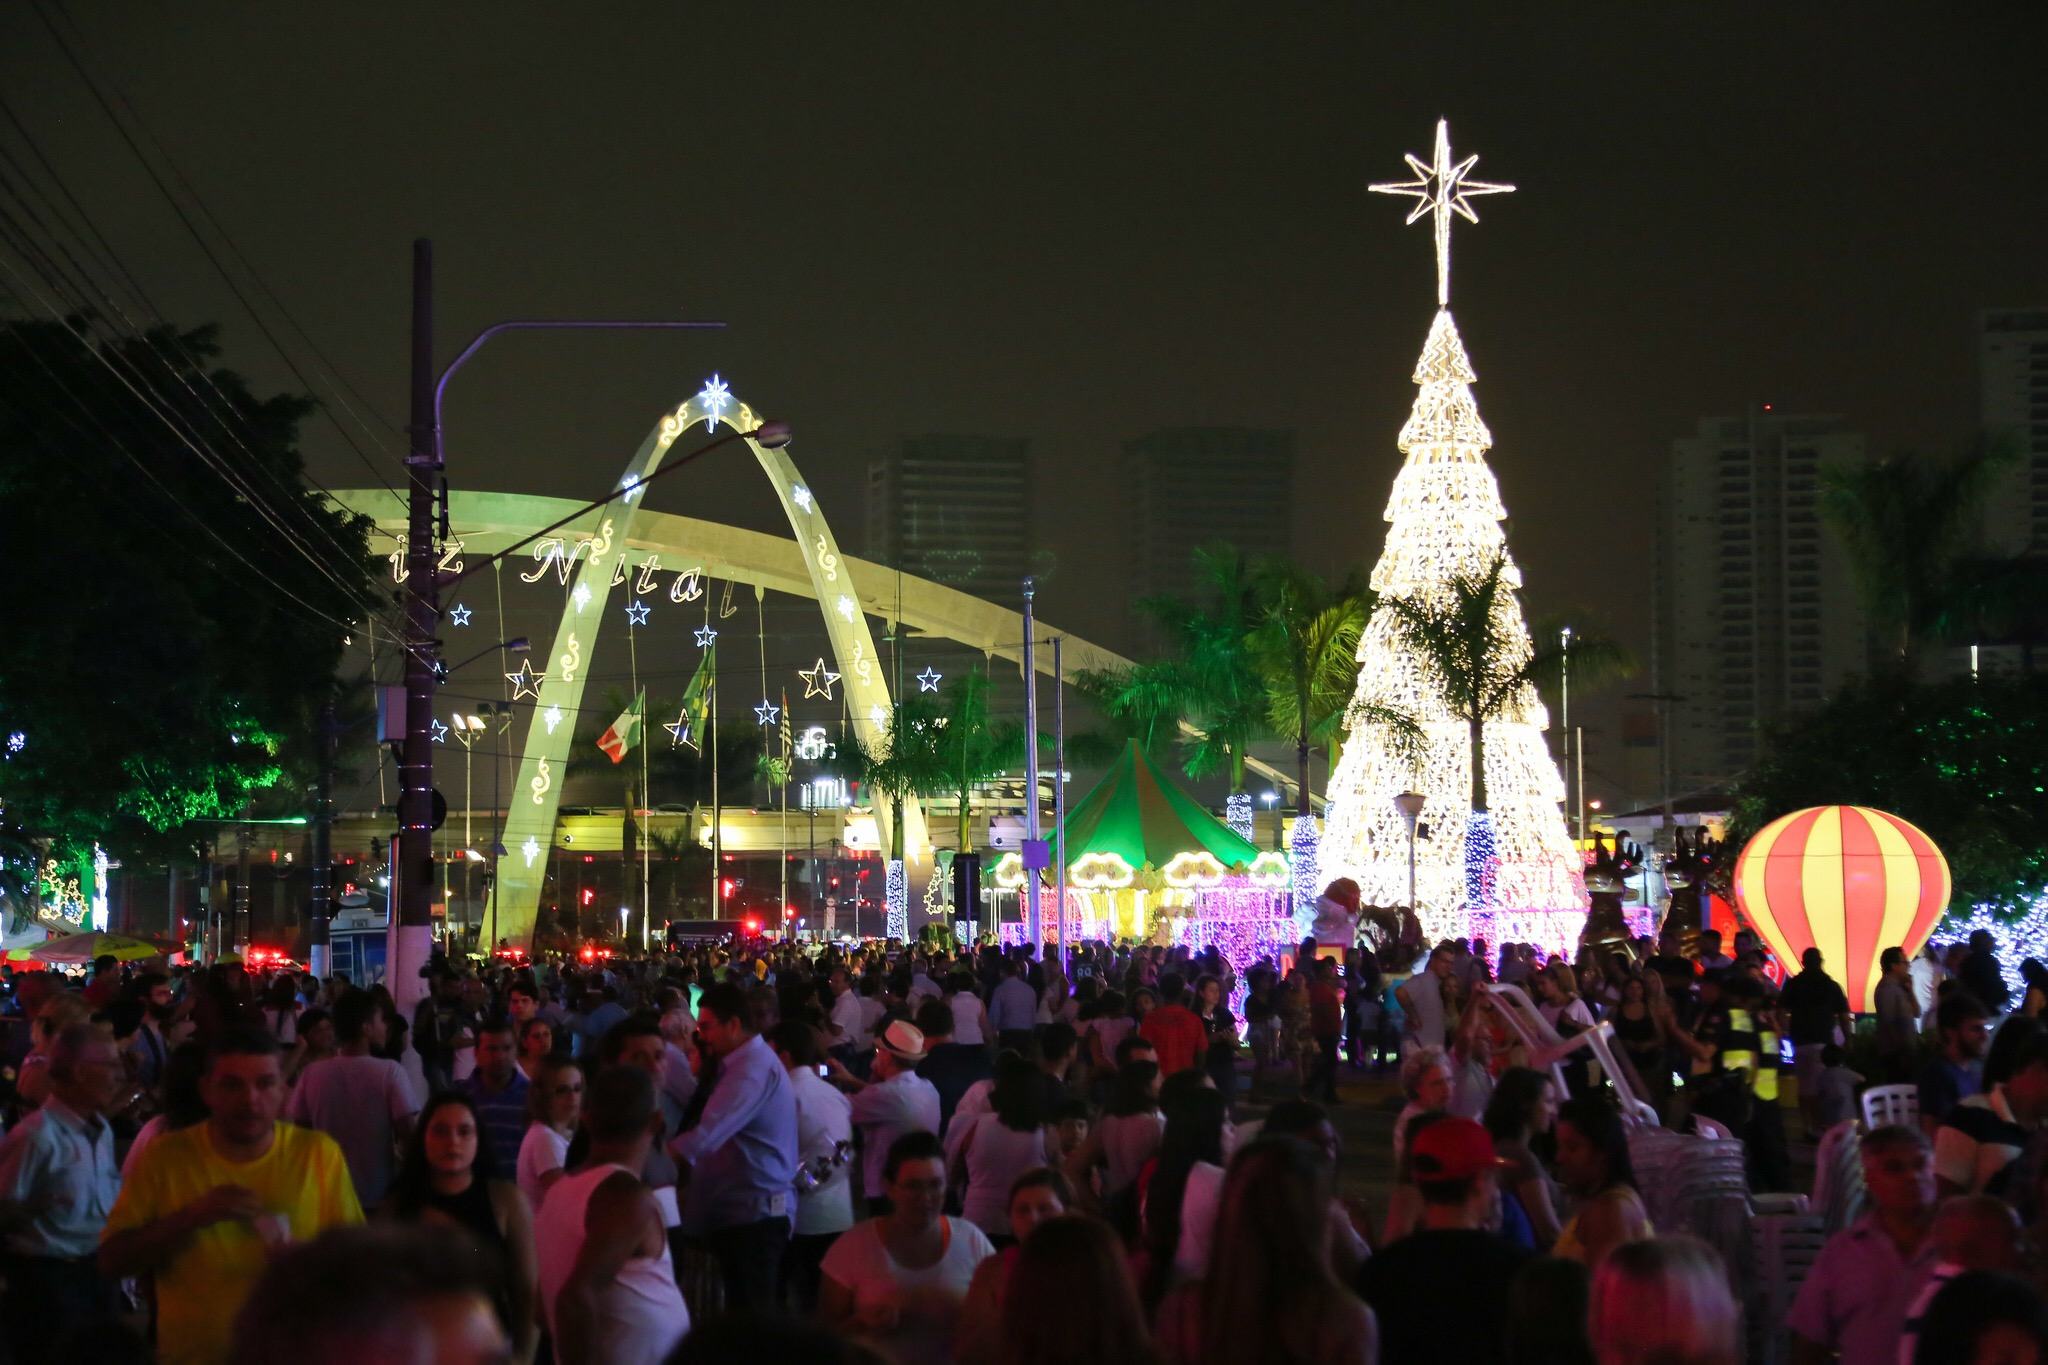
{"points": [[530, 849], [636, 613], [1269, 869], [1243, 920], [581, 596], [551, 718], [2017, 939], [928, 681], [440, 730], [1304, 848], [526, 682], [766, 713], [1237, 813], [897, 924], [1848, 880], [706, 637], [801, 496], [848, 608], [1193, 869], [818, 680], [1444, 518], [714, 399], [1100, 872], [458, 615], [1008, 872]]}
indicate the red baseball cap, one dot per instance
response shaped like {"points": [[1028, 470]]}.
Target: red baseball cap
{"points": [[1452, 1149]]}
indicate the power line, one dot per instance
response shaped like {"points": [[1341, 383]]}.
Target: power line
{"points": [[100, 98]]}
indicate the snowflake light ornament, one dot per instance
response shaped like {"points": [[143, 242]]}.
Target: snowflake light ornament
{"points": [[715, 398]]}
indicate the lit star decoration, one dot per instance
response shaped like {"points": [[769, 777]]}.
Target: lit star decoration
{"points": [[530, 850], [1440, 189], [526, 682], [705, 635], [636, 614], [458, 615], [552, 717], [879, 714], [582, 596], [802, 496], [630, 489], [818, 680], [766, 712], [928, 681], [715, 398], [847, 607], [440, 731], [16, 742], [679, 731]]}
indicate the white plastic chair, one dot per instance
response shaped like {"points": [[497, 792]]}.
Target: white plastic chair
{"points": [[1886, 1104], [1712, 1128], [1548, 1051], [1838, 1192], [1783, 1250]]}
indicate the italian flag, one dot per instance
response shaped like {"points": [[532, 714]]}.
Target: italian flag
{"points": [[625, 731]]}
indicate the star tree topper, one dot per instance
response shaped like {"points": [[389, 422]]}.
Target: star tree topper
{"points": [[1440, 189]]}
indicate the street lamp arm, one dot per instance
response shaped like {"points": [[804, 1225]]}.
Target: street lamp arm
{"points": [[476, 342]]}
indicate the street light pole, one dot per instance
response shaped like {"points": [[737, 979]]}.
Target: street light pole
{"points": [[414, 858], [1410, 805], [1034, 925]]}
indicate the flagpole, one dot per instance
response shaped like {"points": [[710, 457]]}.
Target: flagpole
{"points": [[717, 811]]}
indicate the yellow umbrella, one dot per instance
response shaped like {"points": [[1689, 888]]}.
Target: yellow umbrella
{"points": [[86, 947]]}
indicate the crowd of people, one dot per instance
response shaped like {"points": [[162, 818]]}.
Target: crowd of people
{"points": [[881, 1152]]}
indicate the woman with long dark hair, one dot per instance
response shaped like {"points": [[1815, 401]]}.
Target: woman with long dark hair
{"points": [[1593, 1163], [441, 1182], [1270, 1294], [1178, 1213], [1123, 1140], [1071, 1301], [988, 1151], [1524, 1107]]}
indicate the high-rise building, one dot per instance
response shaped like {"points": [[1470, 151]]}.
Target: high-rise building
{"points": [[955, 510], [1192, 486], [1757, 612], [2012, 367]]}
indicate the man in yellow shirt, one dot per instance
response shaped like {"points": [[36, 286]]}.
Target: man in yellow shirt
{"points": [[207, 1206]]}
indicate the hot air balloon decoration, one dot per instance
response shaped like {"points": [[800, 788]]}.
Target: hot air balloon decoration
{"points": [[1848, 880]]}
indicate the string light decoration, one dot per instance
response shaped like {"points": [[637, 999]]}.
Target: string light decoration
{"points": [[458, 615], [530, 850], [928, 681], [440, 730], [766, 713], [1237, 814], [551, 718], [848, 608], [1100, 872], [1268, 869], [1304, 849], [818, 680], [1193, 869], [897, 889], [715, 397], [526, 682], [1444, 522], [801, 496], [706, 637], [1244, 922], [637, 613], [2017, 939]]}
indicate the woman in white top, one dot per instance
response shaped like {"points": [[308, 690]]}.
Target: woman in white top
{"points": [[970, 1016], [554, 1105], [898, 1281], [990, 1150]]}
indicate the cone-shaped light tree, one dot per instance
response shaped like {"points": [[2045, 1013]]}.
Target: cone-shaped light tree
{"points": [[1507, 872]]}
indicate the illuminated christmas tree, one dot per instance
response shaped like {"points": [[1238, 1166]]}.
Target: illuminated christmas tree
{"points": [[1445, 525]]}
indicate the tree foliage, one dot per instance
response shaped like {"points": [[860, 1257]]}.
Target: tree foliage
{"points": [[167, 658], [1966, 761]]}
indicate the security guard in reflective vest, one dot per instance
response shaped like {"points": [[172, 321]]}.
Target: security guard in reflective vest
{"points": [[1746, 1058]]}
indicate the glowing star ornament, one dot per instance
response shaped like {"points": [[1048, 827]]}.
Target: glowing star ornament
{"points": [[636, 614], [530, 850], [551, 718], [928, 681], [440, 731], [879, 714], [1441, 188], [848, 608], [818, 680], [629, 489], [526, 682], [458, 615], [766, 712], [801, 496], [706, 636], [715, 398], [581, 596]]}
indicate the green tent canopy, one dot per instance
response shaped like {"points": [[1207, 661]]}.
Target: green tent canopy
{"points": [[1143, 818]]}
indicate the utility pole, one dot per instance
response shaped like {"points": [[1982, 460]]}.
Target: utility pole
{"points": [[1034, 850], [1059, 798], [323, 846], [414, 863]]}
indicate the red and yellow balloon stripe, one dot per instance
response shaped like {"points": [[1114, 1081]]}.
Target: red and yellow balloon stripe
{"points": [[1848, 880]]}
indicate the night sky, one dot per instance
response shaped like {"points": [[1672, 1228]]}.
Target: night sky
{"points": [[1077, 223]]}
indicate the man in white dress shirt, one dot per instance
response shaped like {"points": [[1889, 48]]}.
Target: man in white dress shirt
{"points": [[896, 1102]]}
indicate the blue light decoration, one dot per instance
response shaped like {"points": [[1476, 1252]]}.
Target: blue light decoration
{"points": [[715, 398], [1237, 814], [1482, 863], [16, 742], [705, 636], [766, 712], [1304, 847], [928, 681], [636, 614], [440, 731], [897, 925], [458, 615]]}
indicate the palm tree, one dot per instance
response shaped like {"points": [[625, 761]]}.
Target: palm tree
{"points": [[1207, 678], [1304, 646], [1908, 523], [1469, 642], [968, 747]]}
